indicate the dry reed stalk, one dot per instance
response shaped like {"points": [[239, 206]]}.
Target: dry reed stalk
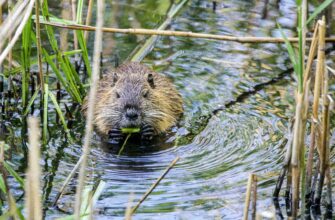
{"points": [[321, 71], [88, 16], [254, 197], [251, 188], [18, 32], [180, 34], [10, 54], [128, 209], [304, 29], [288, 191], [33, 197], [323, 148], [305, 92], [67, 180], [148, 44], [311, 55], [328, 163], [91, 105], [65, 14], [39, 47], [296, 148], [13, 19], [74, 18], [247, 197], [0, 17], [286, 165], [315, 109], [302, 152], [154, 185]]}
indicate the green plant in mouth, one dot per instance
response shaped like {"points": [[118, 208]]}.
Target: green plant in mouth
{"points": [[130, 130]]}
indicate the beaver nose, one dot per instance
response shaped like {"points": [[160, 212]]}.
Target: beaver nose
{"points": [[131, 114]]}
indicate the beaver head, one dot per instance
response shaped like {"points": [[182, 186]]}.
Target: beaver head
{"points": [[132, 100], [134, 96]]}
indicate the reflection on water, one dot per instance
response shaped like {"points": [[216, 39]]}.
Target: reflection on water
{"points": [[210, 178]]}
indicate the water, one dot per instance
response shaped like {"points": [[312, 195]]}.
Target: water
{"points": [[209, 181]]}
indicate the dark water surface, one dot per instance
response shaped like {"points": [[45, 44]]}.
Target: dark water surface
{"points": [[209, 181]]}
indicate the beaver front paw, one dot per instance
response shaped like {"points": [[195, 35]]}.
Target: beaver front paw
{"points": [[115, 136], [147, 133]]}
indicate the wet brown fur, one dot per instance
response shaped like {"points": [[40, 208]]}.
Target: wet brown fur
{"points": [[161, 108]]}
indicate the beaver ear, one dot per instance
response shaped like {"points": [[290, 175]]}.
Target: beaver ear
{"points": [[151, 80], [114, 79]]}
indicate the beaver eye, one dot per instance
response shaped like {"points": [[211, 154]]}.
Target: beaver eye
{"points": [[117, 95], [146, 94]]}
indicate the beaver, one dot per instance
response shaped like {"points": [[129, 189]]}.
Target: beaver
{"points": [[135, 96]]}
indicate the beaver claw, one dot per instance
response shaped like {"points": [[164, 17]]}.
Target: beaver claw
{"points": [[147, 133], [115, 136]]}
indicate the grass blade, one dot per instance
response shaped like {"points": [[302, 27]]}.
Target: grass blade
{"points": [[290, 50], [60, 114], [25, 59], [319, 9], [14, 174], [45, 113], [31, 101], [83, 47], [79, 11], [2, 185]]}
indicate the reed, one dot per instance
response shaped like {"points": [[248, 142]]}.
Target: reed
{"points": [[300, 182], [68, 76], [10, 54], [140, 31], [251, 192], [88, 16], [45, 113], [32, 189], [90, 111], [153, 186], [123, 145], [74, 17], [19, 29], [322, 148], [67, 180], [128, 209], [142, 51], [314, 119], [38, 44]]}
